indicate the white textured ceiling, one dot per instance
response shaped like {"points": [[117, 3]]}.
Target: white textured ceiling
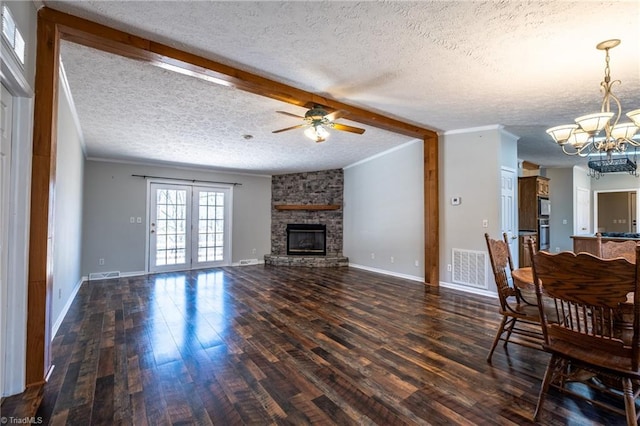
{"points": [[526, 65]]}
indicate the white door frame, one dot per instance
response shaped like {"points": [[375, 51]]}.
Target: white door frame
{"points": [[6, 129], [13, 334]]}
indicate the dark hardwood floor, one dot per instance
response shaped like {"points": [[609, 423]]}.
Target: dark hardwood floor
{"points": [[262, 345]]}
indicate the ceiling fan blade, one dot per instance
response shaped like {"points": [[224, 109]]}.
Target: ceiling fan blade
{"points": [[290, 114], [335, 115], [290, 128], [346, 128]]}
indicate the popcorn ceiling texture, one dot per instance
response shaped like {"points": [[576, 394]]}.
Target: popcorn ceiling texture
{"points": [[445, 65], [133, 111], [322, 187]]}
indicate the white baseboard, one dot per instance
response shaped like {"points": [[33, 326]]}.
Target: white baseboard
{"points": [[246, 262], [385, 272], [132, 274], [65, 309], [467, 289]]}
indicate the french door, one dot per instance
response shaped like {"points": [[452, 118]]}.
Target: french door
{"points": [[189, 227]]}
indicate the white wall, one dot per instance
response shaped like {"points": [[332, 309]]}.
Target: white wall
{"points": [[67, 214], [616, 181], [561, 190], [384, 212], [13, 300], [470, 168], [112, 195]]}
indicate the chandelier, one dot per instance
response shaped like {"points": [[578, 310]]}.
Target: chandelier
{"points": [[601, 135]]}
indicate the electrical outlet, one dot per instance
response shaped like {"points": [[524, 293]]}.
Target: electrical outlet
{"points": [[392, 259], [132, 219], [138, 219], [101, 261], [449, 267], [416, 263], [485, 223], [253, 251], [59, 293], [373, 255]]}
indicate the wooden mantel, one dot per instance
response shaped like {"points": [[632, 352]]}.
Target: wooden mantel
{"points": [[307, 207]]}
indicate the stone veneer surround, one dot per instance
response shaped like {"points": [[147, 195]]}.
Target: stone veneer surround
{"points": [[310, 188]]}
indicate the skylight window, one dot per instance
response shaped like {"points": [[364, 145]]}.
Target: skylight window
{"points": [[11, 34]]}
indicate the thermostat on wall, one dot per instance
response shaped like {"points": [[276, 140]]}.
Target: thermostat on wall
{"points": [[455, 201]]}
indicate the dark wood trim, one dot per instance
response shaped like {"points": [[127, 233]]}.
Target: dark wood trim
{"points": [[43, 178], [53, 26], [431, 212], [119, 42], [307, 207]]}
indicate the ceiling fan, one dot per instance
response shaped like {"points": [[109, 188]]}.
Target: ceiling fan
{"points": [[317, 120]]}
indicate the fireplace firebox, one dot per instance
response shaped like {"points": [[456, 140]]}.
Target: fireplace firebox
{"points": [[305, 239]]}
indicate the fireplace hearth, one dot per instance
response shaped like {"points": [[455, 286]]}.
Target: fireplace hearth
{"points": [[304, 239]]}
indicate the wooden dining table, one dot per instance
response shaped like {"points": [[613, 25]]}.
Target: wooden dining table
{"points": [[523, 278]]}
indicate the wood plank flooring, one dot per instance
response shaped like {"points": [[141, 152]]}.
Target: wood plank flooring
{"points": [[260, 345]]}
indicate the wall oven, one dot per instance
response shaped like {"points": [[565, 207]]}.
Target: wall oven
{"points": [[543, 234]]}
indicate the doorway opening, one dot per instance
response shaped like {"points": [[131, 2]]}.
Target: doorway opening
{"points": [[616, 211]]}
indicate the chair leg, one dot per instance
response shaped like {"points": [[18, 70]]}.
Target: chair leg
{"points": [[546, 382], [497, 338], [512, 324], [629, 401]]}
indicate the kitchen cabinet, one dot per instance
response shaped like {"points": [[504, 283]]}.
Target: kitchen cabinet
{"points": [[533, 211], [524, 253]]}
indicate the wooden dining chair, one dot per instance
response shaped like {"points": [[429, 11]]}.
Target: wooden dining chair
{"points": [[611, 249], [598, 331], [519, 318]]}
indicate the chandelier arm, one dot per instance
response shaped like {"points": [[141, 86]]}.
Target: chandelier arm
{"points": [[632, 142], [588, 148], [579, 151], [607, 100]]}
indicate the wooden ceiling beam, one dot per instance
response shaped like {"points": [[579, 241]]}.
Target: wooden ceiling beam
{"points": [[92, 34]]}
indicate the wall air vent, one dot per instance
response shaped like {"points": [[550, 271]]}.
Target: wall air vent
{"points": [[103, 275], [470, 268]]}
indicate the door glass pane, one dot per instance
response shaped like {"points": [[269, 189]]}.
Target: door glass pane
{"points": [[171, 226], [211, 226]]}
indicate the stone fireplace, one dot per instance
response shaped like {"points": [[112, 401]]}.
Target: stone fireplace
{"points": [[307, 200]]}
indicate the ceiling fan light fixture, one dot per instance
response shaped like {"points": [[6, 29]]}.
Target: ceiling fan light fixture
{"points": [[317, 133]]}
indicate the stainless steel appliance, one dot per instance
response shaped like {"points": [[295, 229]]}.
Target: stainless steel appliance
{"points": [[544, 206], [543, 233]]}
